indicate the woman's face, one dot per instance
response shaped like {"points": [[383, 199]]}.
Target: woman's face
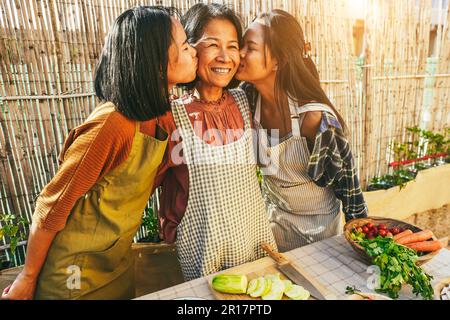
{"points": [[182, 66], [218, 53], [253, 67]]}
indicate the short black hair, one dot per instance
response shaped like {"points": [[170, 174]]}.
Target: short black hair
{"points": [[132, 69], [196, 19]]}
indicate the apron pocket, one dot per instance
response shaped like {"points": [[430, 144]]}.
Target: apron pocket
{"points": [[100, 268], [108, 260]]}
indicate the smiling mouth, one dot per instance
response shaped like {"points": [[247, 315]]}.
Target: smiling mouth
{"points": [[221, 71]]}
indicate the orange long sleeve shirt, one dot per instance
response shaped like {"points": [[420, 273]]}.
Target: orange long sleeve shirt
{"points": [[90, 151]]}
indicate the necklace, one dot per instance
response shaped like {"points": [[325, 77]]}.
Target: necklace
{"points": [[219, 101]]}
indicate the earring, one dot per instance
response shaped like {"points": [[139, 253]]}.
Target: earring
{"points": [[307, 50]]}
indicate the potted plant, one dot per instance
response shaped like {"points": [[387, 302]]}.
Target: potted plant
{"points": [[156, 263], [394, 195], [424, 149]]}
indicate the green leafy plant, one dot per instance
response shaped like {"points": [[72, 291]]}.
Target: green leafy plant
{"points": [[150, 223], [397, 265], [13, 228], [259, 175], [421, 143], [398, 178], [354, 290]]}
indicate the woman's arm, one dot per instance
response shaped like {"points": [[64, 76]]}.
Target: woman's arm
{"points": [[331, 165]]}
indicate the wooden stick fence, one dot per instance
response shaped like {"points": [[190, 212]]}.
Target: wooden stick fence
{"points": [[48, 51]]}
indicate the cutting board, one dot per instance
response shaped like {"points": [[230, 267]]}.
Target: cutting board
{"points": [[256, 269]]}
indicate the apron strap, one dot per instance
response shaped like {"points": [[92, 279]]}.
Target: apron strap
{"points": [[241, 99], [296, 123], [137, 129], [298, 114], [181, 117]]}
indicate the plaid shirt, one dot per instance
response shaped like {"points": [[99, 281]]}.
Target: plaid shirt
{"points": [[331, 163]]}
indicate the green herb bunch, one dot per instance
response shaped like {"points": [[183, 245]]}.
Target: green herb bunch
{"points": [[397, 265]]}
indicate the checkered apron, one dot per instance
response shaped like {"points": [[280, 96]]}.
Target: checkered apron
{"points": [[300, 212], [225, 220]]}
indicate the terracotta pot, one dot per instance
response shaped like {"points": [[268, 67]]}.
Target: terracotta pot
{"points": [[156, 267]]}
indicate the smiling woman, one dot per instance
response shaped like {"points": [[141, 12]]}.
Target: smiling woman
{"points": [[219, 52], [215, 31], [211, 203]]}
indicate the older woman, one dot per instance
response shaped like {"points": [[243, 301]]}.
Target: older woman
{"points": [[211, 203]]}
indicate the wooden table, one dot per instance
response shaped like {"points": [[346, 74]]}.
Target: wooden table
{"points": [[332, 262]]}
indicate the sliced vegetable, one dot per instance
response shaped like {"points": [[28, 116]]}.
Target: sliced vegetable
{"points": [[425, 246], [276, 280], [230, 283], [262, 287], [297, 293], [267, 287], [273, 276], [276, 289], [269, 283], [252, 286], [287, 285], [416, 237]]}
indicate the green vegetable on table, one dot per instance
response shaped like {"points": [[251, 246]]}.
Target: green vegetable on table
{"points": [[230, 283], [397, 265], [267, 287]]}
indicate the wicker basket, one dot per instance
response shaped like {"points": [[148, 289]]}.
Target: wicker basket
{"points": [[389, 223]]}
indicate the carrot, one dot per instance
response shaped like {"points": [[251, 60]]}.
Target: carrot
{"points": [[425, 246], [402, 234], [416, 237]]}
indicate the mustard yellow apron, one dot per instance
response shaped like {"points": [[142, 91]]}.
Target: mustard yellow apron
{"points": [[91, 257]]}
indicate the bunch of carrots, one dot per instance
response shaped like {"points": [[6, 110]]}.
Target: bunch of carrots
{"points": [[419, 241]]}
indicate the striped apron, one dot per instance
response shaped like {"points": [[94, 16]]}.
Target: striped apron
{"points": [[300, 212], [225, 220]]}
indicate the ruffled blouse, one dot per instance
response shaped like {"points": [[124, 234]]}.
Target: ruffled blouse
{"points": [[217, 123]]}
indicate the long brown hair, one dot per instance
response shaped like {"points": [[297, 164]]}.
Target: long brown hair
{"points": [[297, 75]]}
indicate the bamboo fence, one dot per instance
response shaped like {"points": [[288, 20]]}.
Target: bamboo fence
{"points": [[439, 114], [48, 51]]}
